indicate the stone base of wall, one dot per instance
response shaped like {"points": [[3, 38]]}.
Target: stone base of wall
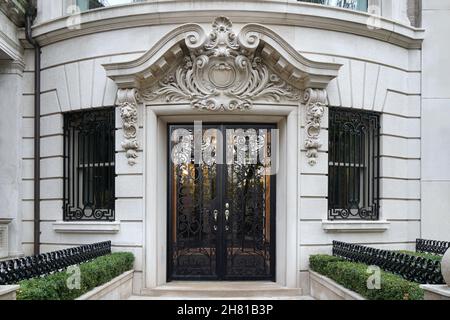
{"points": [[119, 288], [8, 292], [323, 288]]}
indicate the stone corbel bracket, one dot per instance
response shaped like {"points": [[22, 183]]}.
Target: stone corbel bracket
{"points": [[127, 100], [315, 101]]}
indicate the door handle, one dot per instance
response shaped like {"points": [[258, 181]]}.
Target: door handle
{"points": [[215, 215], [227, 216]]}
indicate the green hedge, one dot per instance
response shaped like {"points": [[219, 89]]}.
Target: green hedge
{"points": [[354, 276], [93, 274]]}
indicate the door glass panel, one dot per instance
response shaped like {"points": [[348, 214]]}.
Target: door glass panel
{"points": [[248, 204], [193, 197]]}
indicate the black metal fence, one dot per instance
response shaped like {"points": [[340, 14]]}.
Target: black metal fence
{"points": [[13, 271], [412, 268], [432, 246]]}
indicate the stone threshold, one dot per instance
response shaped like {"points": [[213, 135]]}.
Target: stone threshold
{"points": [[217, 289], [223, 298]]}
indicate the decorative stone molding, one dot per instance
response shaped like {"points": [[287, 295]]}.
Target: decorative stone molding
{"points": [[127, 100], [222, 72], [278, 12], [315, 100]]}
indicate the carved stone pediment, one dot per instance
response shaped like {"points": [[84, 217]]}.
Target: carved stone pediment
{"points": [[221, 69], [221, 72]]}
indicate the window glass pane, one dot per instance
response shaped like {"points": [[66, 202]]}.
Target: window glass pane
{"points": [[85, 5], [360, 5]]}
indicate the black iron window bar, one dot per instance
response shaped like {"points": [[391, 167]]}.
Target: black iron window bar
{"points": [[14, 271], [89, 167], [354, 165], [432, 246], [412, 268]]}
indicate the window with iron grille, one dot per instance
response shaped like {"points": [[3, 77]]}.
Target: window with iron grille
{"points": [[354, 165], [89, 168]]}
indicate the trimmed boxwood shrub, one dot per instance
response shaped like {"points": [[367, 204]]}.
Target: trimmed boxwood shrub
{"points": [[354, 276], [93, 274], [319, 263]]}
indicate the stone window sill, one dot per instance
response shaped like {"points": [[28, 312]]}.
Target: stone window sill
{"points": [[355, 226], [93, 227]]}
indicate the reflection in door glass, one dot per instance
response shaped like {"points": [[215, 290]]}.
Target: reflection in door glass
{"points": [[193, 196], [248, 206]]}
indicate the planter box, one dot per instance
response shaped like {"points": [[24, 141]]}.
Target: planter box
{"points": [[436, 292], [119, 288], [8, 292], [323, 288]]}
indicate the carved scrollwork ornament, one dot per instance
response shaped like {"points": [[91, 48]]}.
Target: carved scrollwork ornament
{"points": [[127, 101], [222, 73], [315, 101]]}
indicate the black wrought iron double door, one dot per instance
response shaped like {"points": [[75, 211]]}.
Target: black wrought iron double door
{"points": [[221, 202]]}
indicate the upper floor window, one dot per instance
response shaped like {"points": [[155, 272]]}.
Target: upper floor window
{"points": [[89, 168], [360, 5], [354, 165], [85, 5]]}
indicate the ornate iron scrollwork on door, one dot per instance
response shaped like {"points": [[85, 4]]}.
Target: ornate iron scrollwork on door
{"points": [[221, 214], [248, 194], [193, 194]]}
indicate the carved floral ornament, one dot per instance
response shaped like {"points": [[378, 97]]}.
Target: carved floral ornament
{"points": [[222, 71]]}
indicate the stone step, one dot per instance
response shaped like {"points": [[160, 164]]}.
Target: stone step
{"points": [[222, 298], [191, 289]]}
